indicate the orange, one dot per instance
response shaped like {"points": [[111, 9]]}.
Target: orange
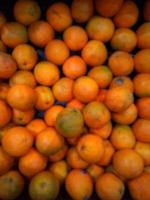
{"points": [[79, 184], [45, 98], [4, 130], [127, 163], [124, 39], [8, 65], [102, 75], [6, 114], [36, 126], [6, 161], [63, 89], [104, 131], [32, 163], [44, 185], [139, 187], [108, 9], [60, 155], [21, 97], [96, 114], [46, 73], [51, 114], [4, 88], [82, 10], [141, 61], [100, 28], [74, 103], [53, 49], [143, 34], [144, 150], [127, 116], [122, 137], [123, 59], [59, 16], [146, 12], [74, 160], [85, 89], [26, 11], [142, 85], [74, 67], [17, 137], [23, 77], [13, 34], [25, 56], [49, 142], [2, 20], [38, 28], [75, 37], [94, 53], [3, 47], [11, 184], [95, 171], [118, 99], [101, 95], [109, 186], [143, 106], [127, 16], [141, 129], [90, 148]]}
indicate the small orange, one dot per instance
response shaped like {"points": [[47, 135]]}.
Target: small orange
{"points": [[74, 67], [75, 103], [94, 53], [3, 47], [4, 88], [53, 49], [95, 171], [59, 16], [146, 12], [60, 155], [46, 73], [143, 106], [6, 114], [85, 89], [144, 150], [17, 141]]}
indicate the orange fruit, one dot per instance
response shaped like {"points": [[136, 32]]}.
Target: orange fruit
{"points": [[45, 98], [60, 155], [96, 48], [82, 10], [123, 59], [17, 137], [90, 148], [96, 114], [139, 187], [109, 186], [142, 85], [21, 97], [38, 28], [122, 137], [51, 114], [63, 89], [85, 89], [74, 160], [74, 67], [69, 122], [23, 77], [3, 47], [143, 106], [7, 65], [75, 103], [146, 12], [127, 163], [11, 184], [141, 61], [127, 16], [118, 99], [46, 180], [143, 149], [49, 142], [6, 161], [59, 16], [118, 41], [13, 34], [4, 130], [95, 171], [79, 184], [25, 56], [51, 51], [100, 28], [26, 11], [102, 75], [6, 114], [4, 88], [101, 95], [141, 129], [46, 73], [32, 163]]}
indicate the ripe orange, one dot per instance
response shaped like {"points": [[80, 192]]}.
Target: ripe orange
{"points": [[4, 88], [6, 114], [60, 155], [75, 103], [4, 130], [101, 95], [95, 171], [144, 150], [146, 12], [143, 106]]}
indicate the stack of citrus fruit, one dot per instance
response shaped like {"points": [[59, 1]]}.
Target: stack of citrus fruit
{"points": [[75, 100]]}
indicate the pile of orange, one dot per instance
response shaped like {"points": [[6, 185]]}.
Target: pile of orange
{"points": [[91, 87]]}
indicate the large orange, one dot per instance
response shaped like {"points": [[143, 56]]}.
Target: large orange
{"points": [[146, 12], [144, 150], [143, 106], [6, 113]]}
